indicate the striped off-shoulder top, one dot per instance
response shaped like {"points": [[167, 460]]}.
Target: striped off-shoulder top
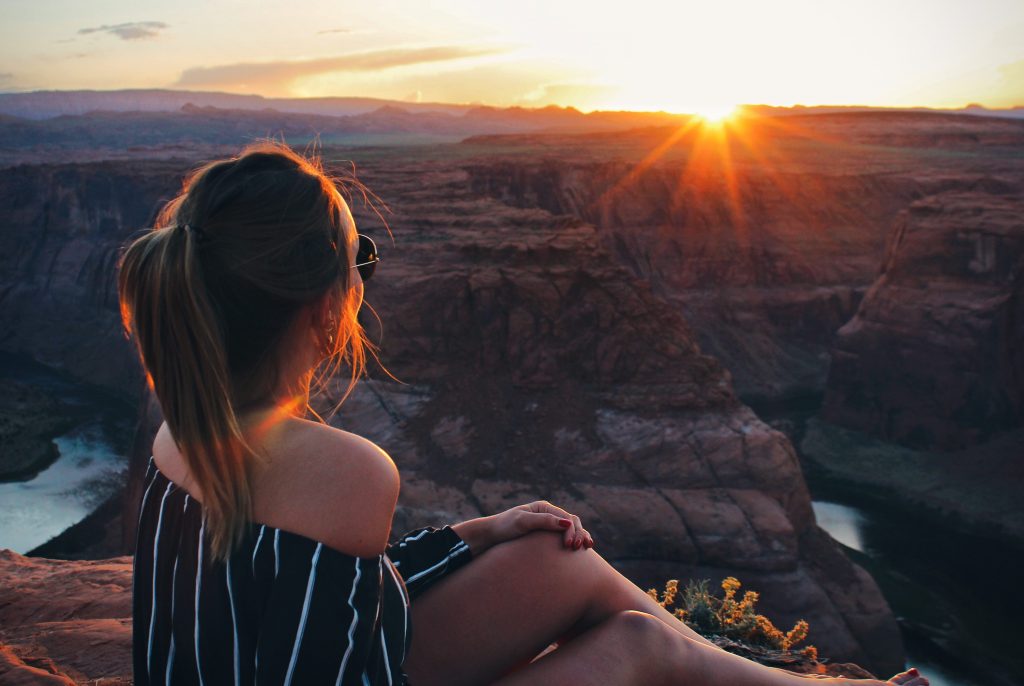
{"points": [[283, 609]]}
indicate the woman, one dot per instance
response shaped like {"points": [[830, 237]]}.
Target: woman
{"points": [[262, 551]]}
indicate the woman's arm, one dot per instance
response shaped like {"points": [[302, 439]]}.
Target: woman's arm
{"points": [[426, 555]]}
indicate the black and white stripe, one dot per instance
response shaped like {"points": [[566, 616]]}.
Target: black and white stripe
{"points": [[285, 609]]}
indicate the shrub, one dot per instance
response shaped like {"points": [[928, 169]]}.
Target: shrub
{"points": [[728, 617]]}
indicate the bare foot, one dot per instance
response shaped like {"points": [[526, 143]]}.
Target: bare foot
{"points": [[911, 677]]}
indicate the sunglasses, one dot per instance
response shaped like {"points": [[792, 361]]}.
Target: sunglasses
{"points": [[366, 257]]}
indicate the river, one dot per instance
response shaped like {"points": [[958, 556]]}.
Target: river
{"points": [[955, 592], [91, 467]]}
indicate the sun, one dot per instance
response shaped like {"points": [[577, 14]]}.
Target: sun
{"points": [[715, 114]]}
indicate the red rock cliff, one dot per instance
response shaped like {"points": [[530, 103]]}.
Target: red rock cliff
{"points": [[934, 356]]}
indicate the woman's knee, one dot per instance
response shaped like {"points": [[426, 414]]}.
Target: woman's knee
{"points": [[539, 539], [662, 653], [639, 628], [542, 549]]}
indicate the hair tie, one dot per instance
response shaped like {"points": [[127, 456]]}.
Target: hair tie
{"points": [[197, 233]]}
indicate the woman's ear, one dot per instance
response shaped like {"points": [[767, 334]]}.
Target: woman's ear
{"points": [[323, 316]]}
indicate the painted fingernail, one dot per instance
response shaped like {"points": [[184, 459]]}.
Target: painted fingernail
{"points": [[913, 671], [564, 523]]}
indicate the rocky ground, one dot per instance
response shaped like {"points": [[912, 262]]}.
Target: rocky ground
{"points": [[67, 623]]}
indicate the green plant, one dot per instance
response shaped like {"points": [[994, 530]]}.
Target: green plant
{"points": [[728, 617]]}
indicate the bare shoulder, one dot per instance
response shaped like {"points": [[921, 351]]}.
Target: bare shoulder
{"points": [[330, 485], [320, 482]]}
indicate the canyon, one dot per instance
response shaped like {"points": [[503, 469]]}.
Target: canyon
{"points": [[866, 264], [766, 237], [578, 319]]}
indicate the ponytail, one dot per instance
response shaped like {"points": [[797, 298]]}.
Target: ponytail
{"points": [[165, 307], [211, 305]]}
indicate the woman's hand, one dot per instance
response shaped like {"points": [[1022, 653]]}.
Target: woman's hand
{"points": [[484, 532]]}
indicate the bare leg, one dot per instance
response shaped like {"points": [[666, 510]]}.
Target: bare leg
{"points": [[490, 618], [637, 648], [607, 654]]}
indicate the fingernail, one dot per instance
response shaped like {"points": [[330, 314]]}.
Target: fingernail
{"points": [[913, 671], [564, 523], [579, 542]]}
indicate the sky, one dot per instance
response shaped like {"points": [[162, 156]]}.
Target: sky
{"points": [[678, 56]]}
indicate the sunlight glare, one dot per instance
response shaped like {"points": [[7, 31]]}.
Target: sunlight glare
{"points": [[715, 114]]}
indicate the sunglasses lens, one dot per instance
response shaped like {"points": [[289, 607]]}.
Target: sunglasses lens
{"points": [[367, 257]]}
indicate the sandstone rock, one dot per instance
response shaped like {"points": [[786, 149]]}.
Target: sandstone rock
{"points": [[422, 502], [636, 521], [65, 622], [935, 354], [29, 419], [720, 528]]}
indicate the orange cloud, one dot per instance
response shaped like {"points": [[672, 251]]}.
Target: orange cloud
{"points": [[280, 74]]}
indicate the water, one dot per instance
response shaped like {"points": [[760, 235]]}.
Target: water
{"points": [[955, 593], [843, 523], [91, 467], [851, 527]]}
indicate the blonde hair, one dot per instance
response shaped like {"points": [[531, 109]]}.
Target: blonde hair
{"points": [[209, 295]]}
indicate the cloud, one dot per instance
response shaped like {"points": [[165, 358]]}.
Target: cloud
{"points": [[133, 30], [6, 76], [335, 31], [280, 74]]}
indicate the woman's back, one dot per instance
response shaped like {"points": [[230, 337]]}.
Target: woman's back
{"points": [[284, 608]]}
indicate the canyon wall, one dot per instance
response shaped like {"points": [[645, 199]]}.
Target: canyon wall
{"points": [[768, 250], [532, 365], [934, 357], [60, 230], [765, 237], [765, 267]]}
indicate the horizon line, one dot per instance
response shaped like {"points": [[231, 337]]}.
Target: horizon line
{"points": [[738, 106]]}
